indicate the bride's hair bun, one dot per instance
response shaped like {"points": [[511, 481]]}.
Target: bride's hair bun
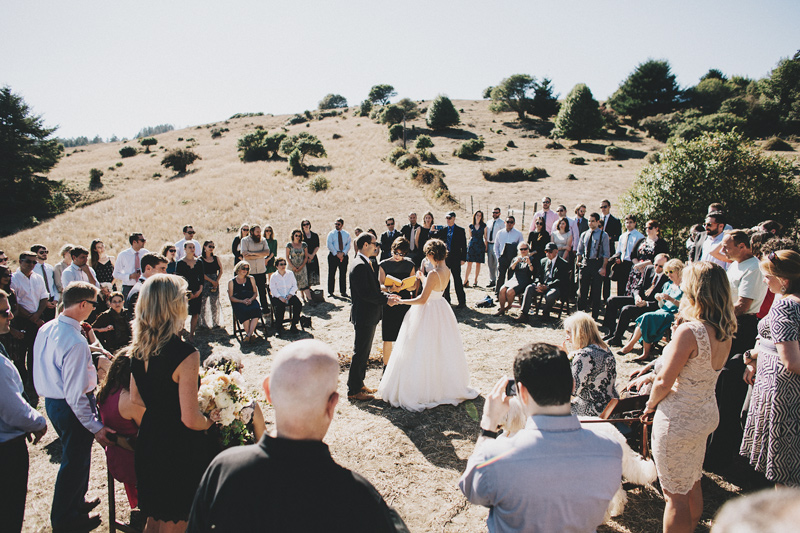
{"points": [[436, 248]]}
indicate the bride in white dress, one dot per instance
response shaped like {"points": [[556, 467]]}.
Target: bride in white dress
{"points": [[428, 366]]}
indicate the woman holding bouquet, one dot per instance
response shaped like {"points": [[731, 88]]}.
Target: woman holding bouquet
{"points": [[172, 450]]}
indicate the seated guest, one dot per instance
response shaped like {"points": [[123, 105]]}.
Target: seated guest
{"points": [[285, 471], [551, 283], [119, 413], [242, 293], [524, 270], [113, 327], [576, 471], [594, 368], [169, 251], [651, 327], [643, 300], [283, 289]]}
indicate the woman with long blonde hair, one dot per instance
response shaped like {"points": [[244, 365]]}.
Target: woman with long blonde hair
{"points": [[172, 451], [683, 399]]}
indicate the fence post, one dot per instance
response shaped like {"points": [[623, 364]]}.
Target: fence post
{"points": [[523, 214]]}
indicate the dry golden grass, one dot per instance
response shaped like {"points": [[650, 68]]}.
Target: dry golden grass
{"points": [[414, 459]]}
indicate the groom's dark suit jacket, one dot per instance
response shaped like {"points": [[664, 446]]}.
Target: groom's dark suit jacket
{"points": [[367, 298]]}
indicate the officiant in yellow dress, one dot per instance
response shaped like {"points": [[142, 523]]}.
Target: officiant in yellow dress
{"points": [[393, 272]]}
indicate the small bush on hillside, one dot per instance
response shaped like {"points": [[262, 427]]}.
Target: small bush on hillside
{"points": [[147, 142], [572, 177], [510, 144], [577, 161], [427, 156], [216, 133], [715, 123], [407, 161], [613, 152], [305, 144], [244, 115], [390, 115], [297, 119], [94, 178], [396, 154], [442, 114], [433, 180], [319, 183], [127, 151], [364, 109], [179, 160], [336, 136], [514, 174], [395, 132], [118, 164], [295, 165], [259, 146], [423, 141], [776, 144], [469, 148], [332, 101]]}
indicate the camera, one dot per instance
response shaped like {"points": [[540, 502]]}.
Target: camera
{"points": [[511, 388]]}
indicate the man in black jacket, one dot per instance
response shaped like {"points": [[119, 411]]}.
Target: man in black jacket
{"points": [[613, 227], [387, 238], [455, 239], [551, 283], [630, 308], [365, 313], [410, 232]]}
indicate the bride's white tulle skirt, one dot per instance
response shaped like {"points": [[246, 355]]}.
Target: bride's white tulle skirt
{"points": [[428, 366]]}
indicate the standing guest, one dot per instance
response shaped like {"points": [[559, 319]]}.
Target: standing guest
{"points": [[580, 221], [283, 288], [538, 239], [594, 368], [124, 417], [338, 244], [455, 238], [242, 294], [272, 244], [582, 224], [47, 273], [151, 264], [101, 262], [622, 260], [188, 236], [190, 268], [611, 225], [551, 283], [113, 327], [492, 229], [32, 302], [593, 254], [476, 247], [65, 376], [12, 339], [546, 213], [577, 471], [286, 470], [387, 238], [643, 255], [573, 225], [524, 270], [400, 267], [562, 237], [236, 245], [411, 231], [255, 251], [505, 249], [128, 267], [212, 273], [296, 255], [773, 368], [312, 261], [682, 397], [172, 450], [424, 234], [710, 240], [58, 269], [18, 422], [356, 232], [79, 270], [169, 251]]}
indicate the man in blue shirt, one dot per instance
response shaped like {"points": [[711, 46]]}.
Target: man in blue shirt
{"points": [[338, 244], [593, 254]]}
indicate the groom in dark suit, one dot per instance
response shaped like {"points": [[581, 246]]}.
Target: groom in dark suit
{"points": [[456, 240], [365, 313]]}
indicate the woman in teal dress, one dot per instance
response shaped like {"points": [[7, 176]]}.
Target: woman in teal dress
{"points": [[650, 327]]}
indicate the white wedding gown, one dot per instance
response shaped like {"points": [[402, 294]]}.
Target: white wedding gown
{"points": [[428, 366]]}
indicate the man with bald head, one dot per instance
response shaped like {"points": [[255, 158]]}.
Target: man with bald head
{"points": [[289, 477]]}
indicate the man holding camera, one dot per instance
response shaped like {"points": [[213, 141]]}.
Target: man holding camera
{"points": [[553, 475]]}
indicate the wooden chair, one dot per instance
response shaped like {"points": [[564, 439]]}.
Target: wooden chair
{"points": [[287, 317], [628, 411], [562, 303], [238, 329]]}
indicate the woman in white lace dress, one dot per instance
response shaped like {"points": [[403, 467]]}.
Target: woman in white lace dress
{"points": [[683, 391]]}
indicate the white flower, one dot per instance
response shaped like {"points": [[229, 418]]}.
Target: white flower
{"points": [[223, 400], [226, 416]]}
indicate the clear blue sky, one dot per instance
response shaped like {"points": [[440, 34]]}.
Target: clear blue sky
{"points": [[109, 67]]}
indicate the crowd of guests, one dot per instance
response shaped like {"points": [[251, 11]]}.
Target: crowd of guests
{"points": [[727, 383]]}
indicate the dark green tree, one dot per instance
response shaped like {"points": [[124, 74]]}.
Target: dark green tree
{"points": [[579, 118], [259, 146], [179, 160], [782, 91], [95, 181], [649, 90], [544, 104], [442, 114], [332, 101], [147, 142], [365, 108], [127, 151], [380, 94], [305, 144], [390, 115], [513, 94]]}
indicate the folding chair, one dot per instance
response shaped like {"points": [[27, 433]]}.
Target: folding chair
{"points": [[628, 411], [238, 330], [287, 317], [562, 303]]}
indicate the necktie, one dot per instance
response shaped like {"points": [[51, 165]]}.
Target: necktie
{"points": [[413, 235], [491, 233], [136, 264], [552, 268], [46, 282], [341, 241]]}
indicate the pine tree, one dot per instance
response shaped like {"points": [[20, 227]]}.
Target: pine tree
{"points": [[579, 117]]}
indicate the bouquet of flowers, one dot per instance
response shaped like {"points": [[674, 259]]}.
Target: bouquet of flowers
{"points": [[223, 399]]}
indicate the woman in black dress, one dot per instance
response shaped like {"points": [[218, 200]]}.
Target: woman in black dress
{"points": [[172, 450], [537, 240], [102, 264], [312, 261], [244, 300], [644, 253], [236, 245], [212, 273], [400, 267], [191, 269], [523, 269], [424, 234], [476, 247]]}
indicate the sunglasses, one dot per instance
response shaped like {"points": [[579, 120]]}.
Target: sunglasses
{"points": [[28, 261], [282, 264], [538, 223], [392, 224], [3, 259], [91, 302], [651, 227], [190, 232], [246, 269], [245, 229], [44, 252], [668, 272], [603, 207], [709, 224], [211, 247], [526, 248], [306, 224], [172, 250], [773, 258]]}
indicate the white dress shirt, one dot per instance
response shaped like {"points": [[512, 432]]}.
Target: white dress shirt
{"points": [[626, 242], [493, 228], [17, 417], [74, 273], [180, 252], [125, 266], [30, 290], [504, 237], [47, 272], [63, 368], [333, 242], [283, 286], [708, 245]]}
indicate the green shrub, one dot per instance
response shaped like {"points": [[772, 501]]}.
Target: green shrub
{"points": [[776, 144], [693, 127], [514, 174], [94, 178], [396, 154], [510, 144], [319, 183], [245, 115], [156, 175], [216, 133], [407, 161], [442, 114], [571, 177], [364, 109], [577, 161], [613, 152], [380, 94], [336, 136], [179, 160], [469, 148], [554, 145], [423, 141], [433, 180], [427, 156], [579, 118], [305, 144], [118, 164], [147, 142], [297, 119], [395, 132], [649, 90], [259, 146], [180, 139], [295, 164], [127, 151], [332, 101], [390, 115]]}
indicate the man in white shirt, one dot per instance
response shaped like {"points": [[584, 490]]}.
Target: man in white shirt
{"points": [[188, 236], [338, 244], [711, 239], [48, 274], [620, 262], [66, 377], [79, 270], [129, 267], [492, 229], [283, 288], [152, 264], [546, 213], [505, 249]]}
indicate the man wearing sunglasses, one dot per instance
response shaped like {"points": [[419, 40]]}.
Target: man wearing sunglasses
{"points": [[129, 262], [387, 238], [710, 240], [188, 236], [66, 377]]}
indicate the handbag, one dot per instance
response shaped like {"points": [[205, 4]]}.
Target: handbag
{"points": [[317, 296]]}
